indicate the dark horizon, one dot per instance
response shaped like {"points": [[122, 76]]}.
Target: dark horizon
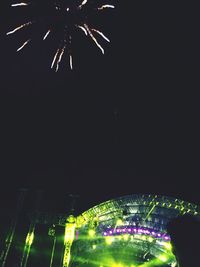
{"points": [[123, 123]]}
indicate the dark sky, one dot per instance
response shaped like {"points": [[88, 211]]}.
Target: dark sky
{"points": [[123, 123]]}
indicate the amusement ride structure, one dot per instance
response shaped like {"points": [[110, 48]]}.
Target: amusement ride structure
{"points": [[128, 231]]}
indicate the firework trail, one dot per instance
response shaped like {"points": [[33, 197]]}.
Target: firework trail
{"points": [[20, 4], [47, 33], [20, 27], [24, 44]]}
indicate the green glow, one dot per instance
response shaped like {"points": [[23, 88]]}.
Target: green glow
{"points": [[29, 239], [125, 256], [126, 237], [71, 219], [106, 258], [91, 248], [117, 265], [109, 240], [91, 233], [163, 258], [69, 233], [167, 245], [119, 237], [121, 260], [149, 213], [119, 222], [150, 239], [125, 250], [68, 240], [91, 261], [80, 221]]}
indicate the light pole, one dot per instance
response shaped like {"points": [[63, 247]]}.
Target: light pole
{"points": [[31, 232], [52, 233], [10, 235]]}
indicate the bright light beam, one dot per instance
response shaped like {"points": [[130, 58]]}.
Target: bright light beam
{"points": [[152, 208]]}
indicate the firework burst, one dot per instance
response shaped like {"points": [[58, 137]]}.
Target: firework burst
{"points": [[69, 16]]}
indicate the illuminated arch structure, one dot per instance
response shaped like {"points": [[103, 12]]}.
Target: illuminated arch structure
{"points": [[127, 232]]}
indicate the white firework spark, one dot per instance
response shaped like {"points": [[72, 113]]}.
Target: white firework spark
{"points": [[69, 27], [93, 38], [20, 27], [70, 54], [105, 6], [55, 56], [102, 35], [24, 44], [47, 33], [83, 3], [60, 58], [20, 4], [71, 61], [83, 29], [59, 54]]}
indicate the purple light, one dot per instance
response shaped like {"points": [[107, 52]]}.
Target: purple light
{"points": [[141, 230], [76, 235]]}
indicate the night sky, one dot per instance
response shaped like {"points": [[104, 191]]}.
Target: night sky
{"points": [[123, 123]]}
